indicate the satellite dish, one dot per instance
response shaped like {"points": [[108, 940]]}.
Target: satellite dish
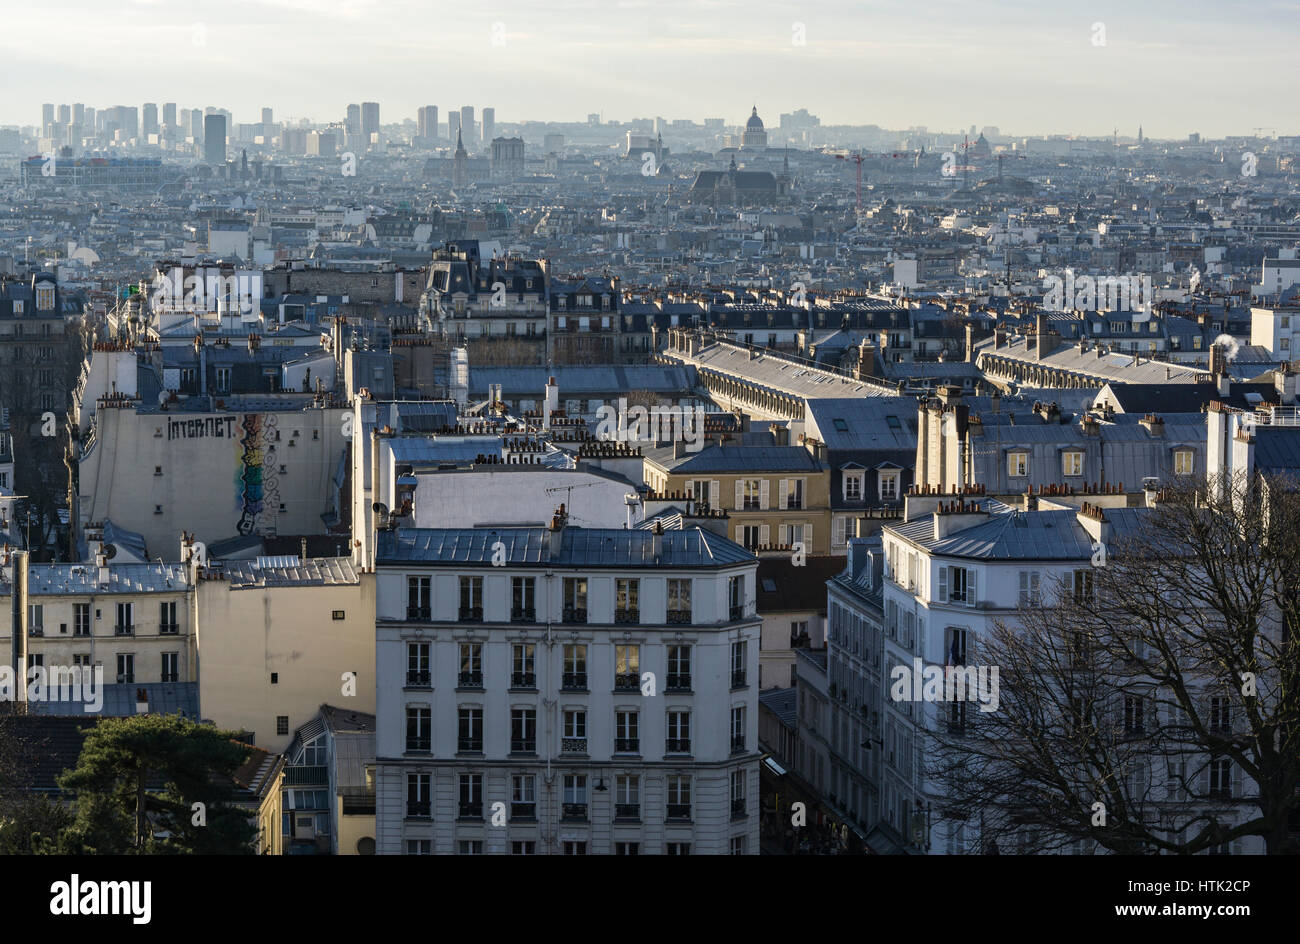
{"points": [[110, 551]]}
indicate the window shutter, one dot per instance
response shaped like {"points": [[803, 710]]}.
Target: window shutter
{"points": [[740, 494], [740, 534], [765, 534], [1235, 778], [972, 586], [784, 536], [783, 494], [763, 494], [807, 538], [715, 495], [943, 584]]}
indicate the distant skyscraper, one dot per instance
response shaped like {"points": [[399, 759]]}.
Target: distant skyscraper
{"points": [[65, 114], [79, 118], [467, 121], [214, 139], [150, 118], [47, 117], [453, 124], [426, 119], [169, 114], [369, 119], [268, 116], [489, 125], [353, 123]]}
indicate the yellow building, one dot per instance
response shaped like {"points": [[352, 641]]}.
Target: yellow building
{"points": [[257, 788], [775, 496]]}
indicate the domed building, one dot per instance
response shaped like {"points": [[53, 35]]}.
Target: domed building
{"points": [[755, 135]]}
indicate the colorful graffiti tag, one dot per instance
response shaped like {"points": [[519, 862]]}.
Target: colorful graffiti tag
{"points": [[248, 474]]}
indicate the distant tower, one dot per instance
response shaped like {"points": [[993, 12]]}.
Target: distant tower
{"points": [[755, 134], [1139, 134], [460, 172]]}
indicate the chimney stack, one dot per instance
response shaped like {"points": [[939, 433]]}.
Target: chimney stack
{"points": [[558, 521]]}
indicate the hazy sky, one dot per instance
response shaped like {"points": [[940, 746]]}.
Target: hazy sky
{"points": [[1027, 66]]}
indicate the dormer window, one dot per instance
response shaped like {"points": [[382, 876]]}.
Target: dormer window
{"points": [[1072, 463], [1017, 464]]}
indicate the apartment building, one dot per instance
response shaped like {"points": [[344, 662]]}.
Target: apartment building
{"points": [[565, 690], [776, 496]]}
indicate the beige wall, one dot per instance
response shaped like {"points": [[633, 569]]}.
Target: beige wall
{"points": [[352, 828], [245, 635]]}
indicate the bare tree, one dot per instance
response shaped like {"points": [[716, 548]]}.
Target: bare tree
{"points": [[1151, 704]]}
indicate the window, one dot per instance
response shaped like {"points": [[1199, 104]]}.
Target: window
{"points": [[575, 796], [1080, 586], [126, 668], [739, 658], [167, 624], [574, 847], [1133, 715], [522, 608], [738, 728], [470, 847], [523, 796], [736, 597], [957, 585], [417, 664], [627, 796], [678, 848], [523, 672], [679, 601], [679, 796], [853, 486], [419, 847], [956, 649], [575, 600], [750, 536], [626, 738], [575, 667], [223, 379], [627, 667], [170, 666], [679, 669], [737, 793], [627, 607], [1072, 462], [888, 485], [523, 730], [471, 796], [125, 624], [679, 732], [1183, 462], [627, 848], [36, 619], [574, 738], [794, 494], [418, 792], [1029, 581], [1221, 777], [418, 593], [1220, 714], [749, 494], [1017, 464], [523, 846], [471, 599], [470, 730], [418, 725], [281, 725], [471, 665]]}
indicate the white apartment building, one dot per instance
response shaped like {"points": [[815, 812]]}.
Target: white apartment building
{"points": [[595, 692]]}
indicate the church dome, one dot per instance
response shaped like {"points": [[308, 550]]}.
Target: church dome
{"points": [[755, 123]]}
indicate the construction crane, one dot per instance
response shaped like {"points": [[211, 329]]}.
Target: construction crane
{"points": [[1003, 157]]}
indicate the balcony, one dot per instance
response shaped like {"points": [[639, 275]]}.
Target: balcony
{"points": [[124, 630], [169, 676], [627, 745], [574, 811], [737, 743], [471, 614], [681, 682], [523, 614], [679, 617], [679, 811], [36, 630], [471, 809], [126, 677], [574, 682], [418, 678], [169, 629], [469, 745], [627, 811], [523, 745], [736, 613], [573, 745], [418, 613], [523, 679], [418, 745], [418, 809], [469, 680], [627, 615], [737, 808], [627, 682], [677, 746], [738, 679], [575, 614], [523, 811]]}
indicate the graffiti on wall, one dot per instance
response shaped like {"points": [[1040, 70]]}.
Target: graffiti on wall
{"points": [[257, 487]]}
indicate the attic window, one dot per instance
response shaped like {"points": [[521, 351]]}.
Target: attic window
{"points": [[894, 422], [840, 425], [769, 585]]}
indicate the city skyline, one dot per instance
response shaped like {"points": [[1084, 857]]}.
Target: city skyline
{"points": [[938, 67]]}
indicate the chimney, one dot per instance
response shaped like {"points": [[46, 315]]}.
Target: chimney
{"points": [[679, 448], [302, 548], [957, 515], [970, 342], [999, 337], [1093, 520], [552, 403], [657, 540], [1284, 381], [866, 360], [558, 521], [1153, 424]]}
